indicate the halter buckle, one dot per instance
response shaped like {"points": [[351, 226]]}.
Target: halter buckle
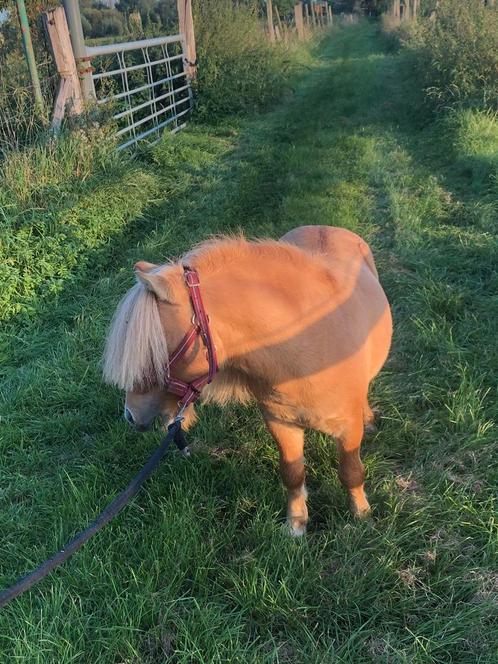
{"points": [[191, 277]]}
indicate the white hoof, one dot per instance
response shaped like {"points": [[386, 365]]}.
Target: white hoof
{"points": [[362, 513], [296, 527]]}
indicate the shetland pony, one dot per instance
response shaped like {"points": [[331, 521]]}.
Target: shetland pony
{"points": [[301, 325]]}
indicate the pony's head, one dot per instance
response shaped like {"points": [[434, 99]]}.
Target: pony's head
{"points": [[152, 316]]}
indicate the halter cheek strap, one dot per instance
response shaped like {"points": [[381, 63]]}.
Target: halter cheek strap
{"points": [[190, 392]]}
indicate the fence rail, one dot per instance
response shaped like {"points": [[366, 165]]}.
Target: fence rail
{"points": [[108, 49]]}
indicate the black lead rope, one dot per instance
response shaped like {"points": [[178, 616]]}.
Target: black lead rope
{"points": [[174, 433]]}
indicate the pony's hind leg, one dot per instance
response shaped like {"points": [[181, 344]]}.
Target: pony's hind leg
{"points": [[351, 471], [290, 441]]}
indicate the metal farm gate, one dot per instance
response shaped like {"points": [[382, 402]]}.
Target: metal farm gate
{"points": [[143, 85]]}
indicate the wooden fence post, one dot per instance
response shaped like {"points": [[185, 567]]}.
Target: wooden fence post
{"points": [[279, 28], [269, 16], [298, 17], [186, 27], [69, 96]]}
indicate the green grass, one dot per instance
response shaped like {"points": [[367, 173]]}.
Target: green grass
{"points": [[198, 568]]}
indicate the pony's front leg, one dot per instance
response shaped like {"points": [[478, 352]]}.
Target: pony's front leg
{"points": [[290, 441]]}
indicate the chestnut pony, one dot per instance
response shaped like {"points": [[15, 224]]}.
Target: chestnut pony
{"points": [[301, 325]]}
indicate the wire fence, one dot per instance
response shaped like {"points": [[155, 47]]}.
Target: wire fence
{"points": [[20, 120]]}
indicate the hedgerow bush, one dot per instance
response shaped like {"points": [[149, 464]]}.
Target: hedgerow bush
{"points": [[456, 53], [239, 69]]}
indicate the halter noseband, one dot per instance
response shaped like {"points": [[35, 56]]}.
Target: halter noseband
{"points": [[190, 392]]}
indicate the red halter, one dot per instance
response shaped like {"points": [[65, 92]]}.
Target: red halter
{"points": [[190, 392]]}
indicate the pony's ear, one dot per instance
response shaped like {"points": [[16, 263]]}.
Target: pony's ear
{"points": [[143, 266], [154, 281]]}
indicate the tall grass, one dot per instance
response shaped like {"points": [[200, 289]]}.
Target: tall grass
{"points": [[455, 50], [21, 122]]}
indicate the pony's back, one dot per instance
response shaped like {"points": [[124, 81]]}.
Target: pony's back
{"points": [[339, 245]]}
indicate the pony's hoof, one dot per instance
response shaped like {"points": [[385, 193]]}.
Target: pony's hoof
{"points": [[370, 428], [363, 512], [296, 526]]}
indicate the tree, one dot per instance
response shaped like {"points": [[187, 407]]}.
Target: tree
{"points": [[101, 21], [163, 12]]}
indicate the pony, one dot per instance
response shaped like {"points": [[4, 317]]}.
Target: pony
{"points": [[301, 325]]}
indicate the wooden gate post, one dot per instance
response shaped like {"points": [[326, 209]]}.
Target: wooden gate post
{"points": [[298, 16], [69, 94], [186, 27]]}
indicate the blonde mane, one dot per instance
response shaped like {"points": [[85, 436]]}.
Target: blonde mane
{"points": [[136, 354]]}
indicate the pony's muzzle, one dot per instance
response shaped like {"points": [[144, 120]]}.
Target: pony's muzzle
{"points": [[128, 415]]}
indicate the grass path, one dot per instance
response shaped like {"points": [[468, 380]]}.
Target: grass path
{"points": [[198, 568]]}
